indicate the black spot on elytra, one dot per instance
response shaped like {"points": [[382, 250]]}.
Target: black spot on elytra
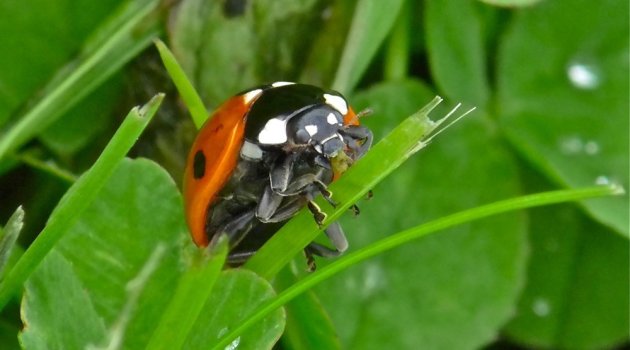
{"points": [[199, 165], [234, 8]]}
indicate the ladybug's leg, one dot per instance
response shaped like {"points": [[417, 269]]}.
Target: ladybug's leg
{"points": [[337, 238], [280, 174], [358, 138], [268, 205], [301, 184], [236, 229], [318, 214], [289, 208], [239, 258]]}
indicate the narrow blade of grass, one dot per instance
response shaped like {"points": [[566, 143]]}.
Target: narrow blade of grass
{"points": [[371, 23], [379, 162], [104, 55], [79, 196], [406, 236], [192, 292], [186, 90], [48, 167], [8, 237]]}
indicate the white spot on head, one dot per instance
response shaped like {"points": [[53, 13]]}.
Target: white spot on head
{"points": [[337, 102], [249, 96], [332, 119], [311, 129], [274, 132], [281, 83], [251, 151]]}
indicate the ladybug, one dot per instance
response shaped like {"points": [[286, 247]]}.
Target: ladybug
{"points": [[264, 155]]}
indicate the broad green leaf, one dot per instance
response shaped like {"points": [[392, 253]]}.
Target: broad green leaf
{"points": [[457, 55], [108, 246], [371, 23], [576, 296], [215, 50], [464, 281], [56, 296], [235, 295], [563, 96], [38, 40]]}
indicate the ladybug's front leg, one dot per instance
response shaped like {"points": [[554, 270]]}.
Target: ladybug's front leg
{"points": [[236, 229], [358, 138], [281, 173]]}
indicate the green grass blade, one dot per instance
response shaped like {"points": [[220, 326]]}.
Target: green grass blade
{"points": [[112, 51], [379, 162], [192, 292], [188, 93], [8, 236], [398, 47], [48, 167], [406, 236], [371, 23], [79, 196]]}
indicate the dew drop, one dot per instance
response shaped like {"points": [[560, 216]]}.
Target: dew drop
{"points": [[571, 145], [222, 332], [234, 344], [541, 307], [583, 76], [373, 280], [575, 145], [602, 180], [591, 148]]}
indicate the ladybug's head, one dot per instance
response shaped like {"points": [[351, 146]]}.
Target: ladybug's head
{"points": [[319, 127], [336, 143], [298, 117]]}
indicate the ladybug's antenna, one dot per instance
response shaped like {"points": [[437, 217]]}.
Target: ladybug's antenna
{"points": [[364, 113]]}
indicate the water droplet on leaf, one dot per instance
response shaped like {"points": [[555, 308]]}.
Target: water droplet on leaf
{"points": [[541, 307], [583, 76]]}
